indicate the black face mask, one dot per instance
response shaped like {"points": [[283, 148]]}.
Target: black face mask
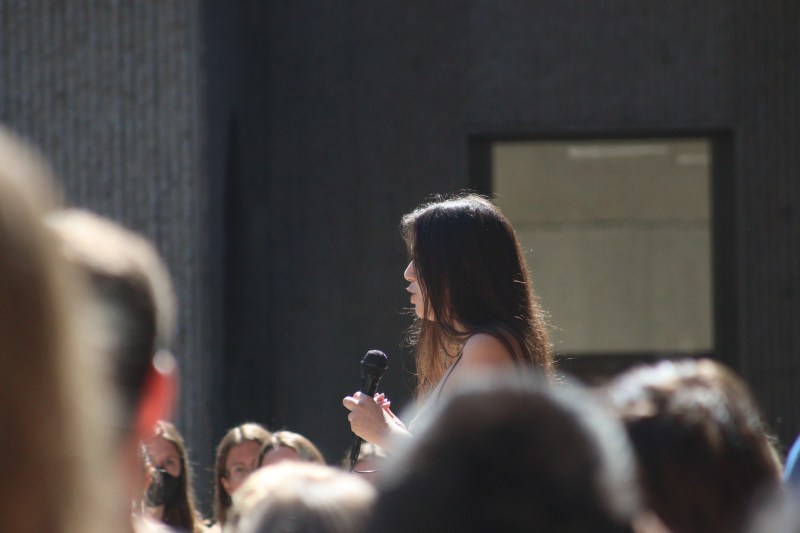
{"points": [[163, 488]]}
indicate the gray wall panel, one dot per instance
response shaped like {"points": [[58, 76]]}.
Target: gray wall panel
{"points": [[767, 118], [356, 112], [327, 121], [112, 93]]}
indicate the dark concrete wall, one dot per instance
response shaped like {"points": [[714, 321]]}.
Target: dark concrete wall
{"points": [[350, 114], [270, 148], [111, 91], [347, 117]]}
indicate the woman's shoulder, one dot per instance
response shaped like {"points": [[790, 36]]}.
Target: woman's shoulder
{"points": [[483, 349], [481, 353]]}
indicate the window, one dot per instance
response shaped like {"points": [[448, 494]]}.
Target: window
{"points": [[618, 238]]}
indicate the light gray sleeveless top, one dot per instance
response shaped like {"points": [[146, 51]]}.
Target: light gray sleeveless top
{"points": [[435, 395]]}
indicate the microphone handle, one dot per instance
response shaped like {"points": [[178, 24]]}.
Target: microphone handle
{"points": [[355, 449], [369, 387]]}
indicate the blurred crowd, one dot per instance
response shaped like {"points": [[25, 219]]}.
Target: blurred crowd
{"points": [[88, 386]]}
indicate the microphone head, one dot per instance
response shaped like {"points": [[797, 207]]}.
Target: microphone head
{"points": [[374, 364]]}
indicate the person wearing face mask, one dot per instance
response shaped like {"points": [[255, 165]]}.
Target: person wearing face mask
{"points": [[476, 312], [153, 497], [162, 487], [171, 499]]}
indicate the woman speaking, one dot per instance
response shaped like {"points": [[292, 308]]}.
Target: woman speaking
{"points": [[475, 308]]}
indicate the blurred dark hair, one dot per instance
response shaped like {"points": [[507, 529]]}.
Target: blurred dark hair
{"points": [[702, 446], [512, 456], [474, 279]]}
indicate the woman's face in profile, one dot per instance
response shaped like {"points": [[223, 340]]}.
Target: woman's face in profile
{"points": [[417, 296], [164, 454]]}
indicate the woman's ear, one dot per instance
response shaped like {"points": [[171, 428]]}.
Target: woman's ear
{"points": [[159, 393]]}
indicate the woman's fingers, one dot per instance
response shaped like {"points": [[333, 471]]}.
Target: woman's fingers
{"points": [[351, 402], [381, 400]]}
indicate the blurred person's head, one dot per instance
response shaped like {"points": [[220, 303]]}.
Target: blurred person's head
{"points": [[703, 451], [166, 451], [237, 457], [55, 432], [512, 455], [300, 497], [131, 313], [289, 446], [132, 309]]}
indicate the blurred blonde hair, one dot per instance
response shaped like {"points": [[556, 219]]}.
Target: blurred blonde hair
{"points": [[305, 449], [300, 497], [55, 447]]}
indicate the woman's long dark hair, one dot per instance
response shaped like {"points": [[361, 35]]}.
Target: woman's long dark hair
{"points": [[474, 279], [182, 514]]}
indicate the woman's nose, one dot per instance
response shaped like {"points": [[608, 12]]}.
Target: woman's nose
{"points": [[410, 274]]}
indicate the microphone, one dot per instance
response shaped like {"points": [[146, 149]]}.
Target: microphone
{"points": [[373, 367]]}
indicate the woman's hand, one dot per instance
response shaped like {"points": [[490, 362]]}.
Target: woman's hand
{"points": [[372, 419]]}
